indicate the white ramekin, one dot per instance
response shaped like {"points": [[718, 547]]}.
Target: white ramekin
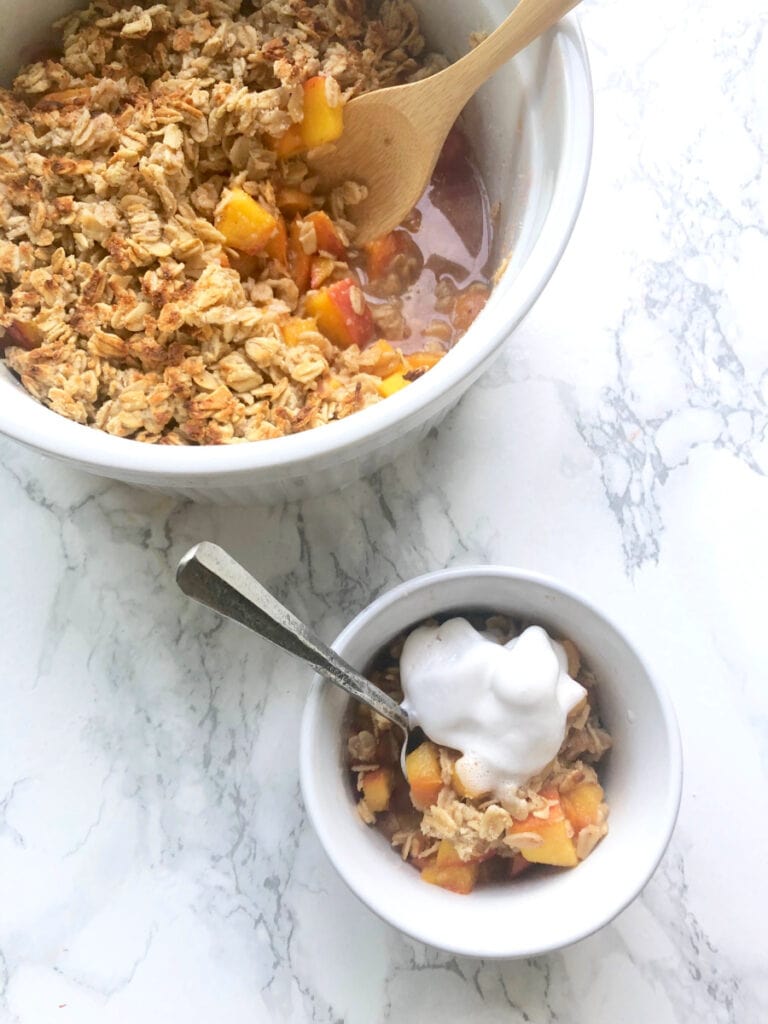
{"points": [[642, 776], [531, 127]]}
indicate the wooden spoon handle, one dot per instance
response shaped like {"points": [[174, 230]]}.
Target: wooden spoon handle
{"points": [[529, 20]]}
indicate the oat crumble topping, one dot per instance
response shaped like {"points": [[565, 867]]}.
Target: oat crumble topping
{"points": [[122, 306]]}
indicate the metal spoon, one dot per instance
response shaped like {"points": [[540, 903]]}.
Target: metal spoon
{"points": [[209, 575]]}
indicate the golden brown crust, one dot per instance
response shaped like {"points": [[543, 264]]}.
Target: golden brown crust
{"points": [[113, 158]]}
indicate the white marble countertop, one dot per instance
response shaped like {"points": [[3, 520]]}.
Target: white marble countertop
{"points": [[156, 864]]}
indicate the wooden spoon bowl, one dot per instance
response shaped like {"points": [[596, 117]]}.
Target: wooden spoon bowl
{"points": [[393, 137]]}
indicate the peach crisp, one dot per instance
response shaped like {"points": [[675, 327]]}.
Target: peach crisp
{"points": [[456, 836]]}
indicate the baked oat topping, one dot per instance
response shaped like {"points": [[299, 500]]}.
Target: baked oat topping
{"points": [[124, 303]]}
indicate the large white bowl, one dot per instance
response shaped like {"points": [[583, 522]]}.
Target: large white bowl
{"points": [[531, 128], [642, 776]]}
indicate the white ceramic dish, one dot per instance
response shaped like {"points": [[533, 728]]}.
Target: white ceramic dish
{"points": [[531, 128], [642, 776]]}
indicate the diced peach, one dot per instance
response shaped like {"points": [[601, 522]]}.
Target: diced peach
{"points": [[382, 253], [342, 313], [388, 359], [296, 328], [21, 335], [460, 878], [328, 239], [468, 306], [556, 832], [423, 360], [379, 255], [422, 769], [299, 262], [377, 788], [581, 805], [392, 384], [322, 123], [420, 361], [557, 847], [246, 225], [290, 143], [277, 247], [293, 200], [447, 854], [329, 317]]}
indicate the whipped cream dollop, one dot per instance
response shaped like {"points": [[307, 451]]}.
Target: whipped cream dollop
{"points": [[503, 706]]}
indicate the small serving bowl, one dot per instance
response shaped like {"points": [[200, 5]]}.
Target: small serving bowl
{"points": [[642, 777]]}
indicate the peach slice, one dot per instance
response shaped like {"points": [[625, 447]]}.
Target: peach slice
{"points": [[277, 246], [296, 328], [448, 855], [556, 832], [322, 268], [423, 360], [422, 769], [328, 239], [581, 805], [393, 383], [322, 122], [460, 878], [377, 788], [290, 143], [293, 200], [342, 313], [388, 359], [246, 225], [401, 379], [299, 261]]}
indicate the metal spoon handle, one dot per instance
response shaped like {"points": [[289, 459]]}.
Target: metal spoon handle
{"points": [[209, 575]]}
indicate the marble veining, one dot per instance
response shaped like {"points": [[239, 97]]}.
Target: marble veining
{"points": [[156, 863]]}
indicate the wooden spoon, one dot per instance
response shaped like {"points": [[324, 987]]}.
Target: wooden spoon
{"points": [[393, 137]]}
